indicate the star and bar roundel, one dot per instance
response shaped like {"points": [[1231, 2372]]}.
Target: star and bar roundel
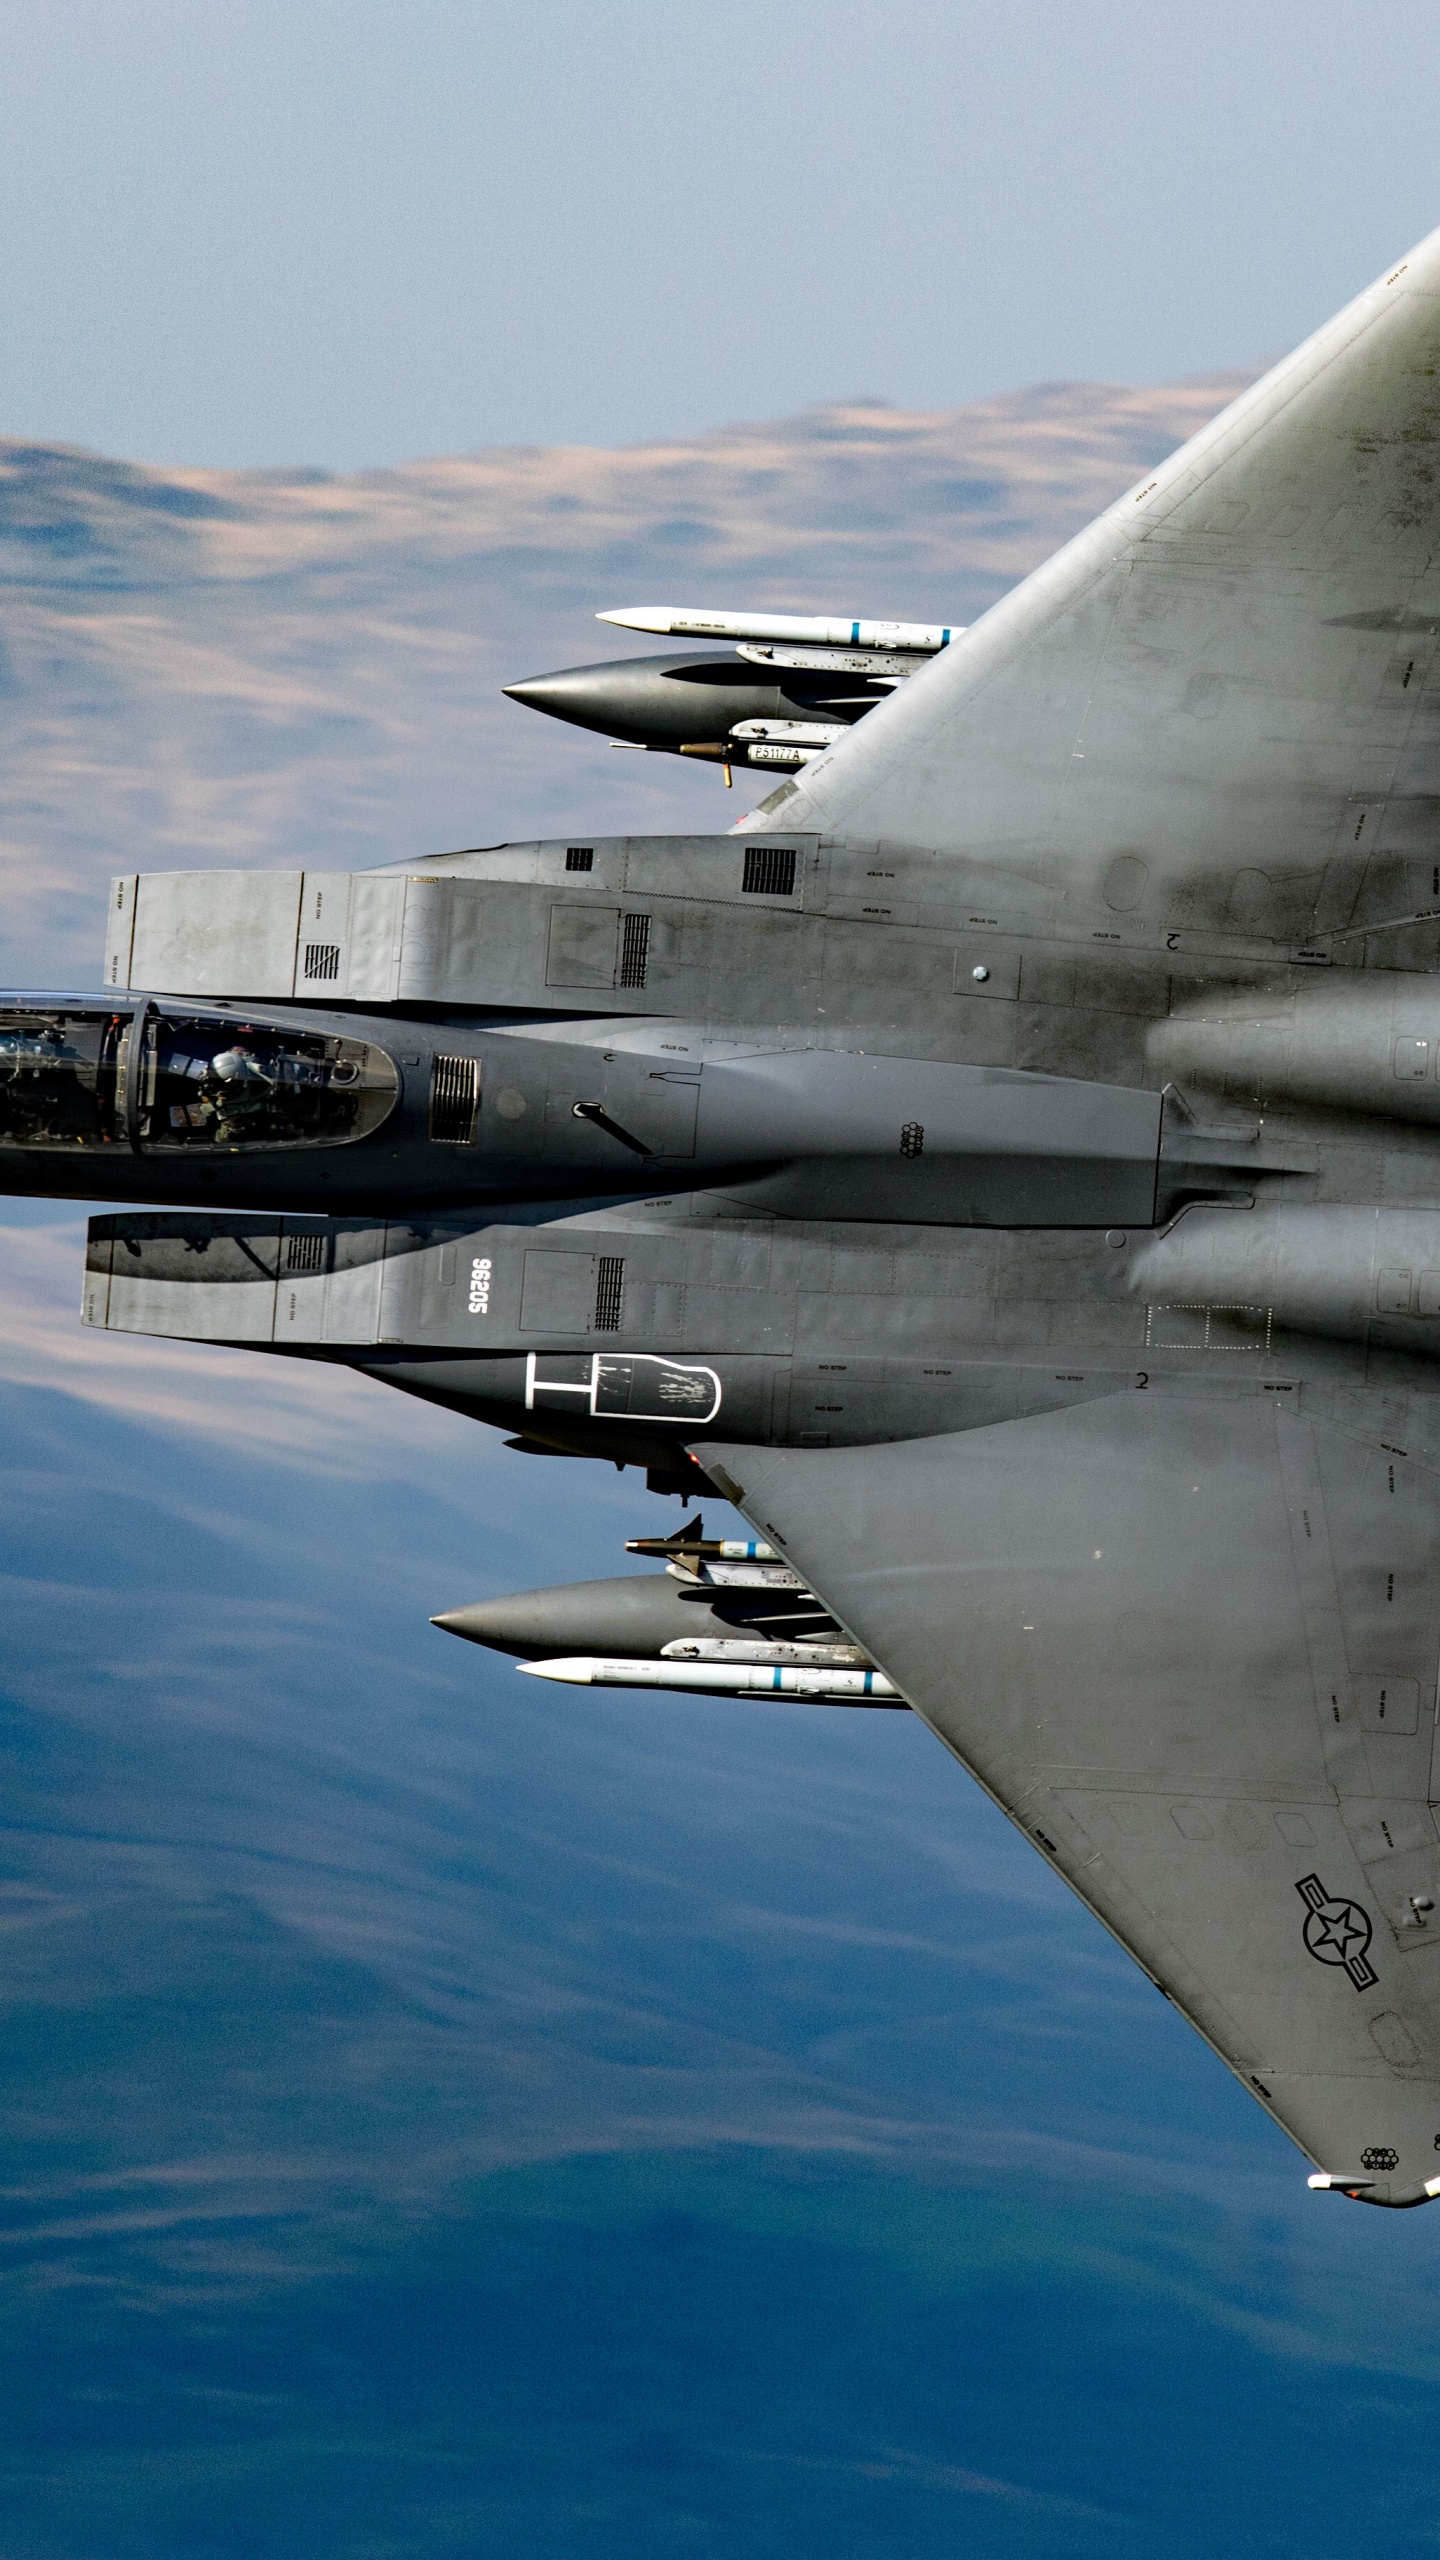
{"points": [[1337, 1932]]}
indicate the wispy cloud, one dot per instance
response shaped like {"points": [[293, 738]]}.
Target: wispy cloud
{"points": [[298, 1414]]}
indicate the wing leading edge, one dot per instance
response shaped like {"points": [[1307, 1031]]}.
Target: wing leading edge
{"points": [[1188, 1642]]}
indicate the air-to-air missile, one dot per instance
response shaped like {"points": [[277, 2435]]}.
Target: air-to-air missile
{"points": [[787, 687], [819, 631], [723, 1680], [728, 1618]]}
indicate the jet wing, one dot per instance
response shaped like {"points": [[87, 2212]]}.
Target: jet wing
{"points": [[1210, 709], [1188, 1641]]}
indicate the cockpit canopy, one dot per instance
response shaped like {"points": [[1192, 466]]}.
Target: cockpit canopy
{"points": [[67, 1079]]}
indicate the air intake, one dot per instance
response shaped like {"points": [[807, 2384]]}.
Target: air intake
{"points": [[609, 1290], [454, 1101], [322, 960], [305, 1253], [769, 870], [634, 951]]}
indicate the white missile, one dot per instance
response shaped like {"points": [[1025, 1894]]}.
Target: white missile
{"points": [[721, 1679], [821, 630]]}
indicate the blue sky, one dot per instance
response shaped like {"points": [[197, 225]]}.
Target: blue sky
{"points": [[237, 231], [444, 2115]]}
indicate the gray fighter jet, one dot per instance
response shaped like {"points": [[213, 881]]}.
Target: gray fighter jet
{"points": [[1006, 1168]]}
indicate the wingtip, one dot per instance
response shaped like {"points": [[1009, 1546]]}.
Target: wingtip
{"points": [[1374, 2191]]}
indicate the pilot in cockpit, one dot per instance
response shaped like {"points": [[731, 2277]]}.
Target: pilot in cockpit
{"points": [[242, 1089]]}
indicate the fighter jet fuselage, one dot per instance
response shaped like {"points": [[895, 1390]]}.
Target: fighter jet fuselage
{"points": [[792, 1132]]}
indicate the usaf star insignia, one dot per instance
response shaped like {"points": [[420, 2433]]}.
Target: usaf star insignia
{"points": [[1337, 1932]]}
